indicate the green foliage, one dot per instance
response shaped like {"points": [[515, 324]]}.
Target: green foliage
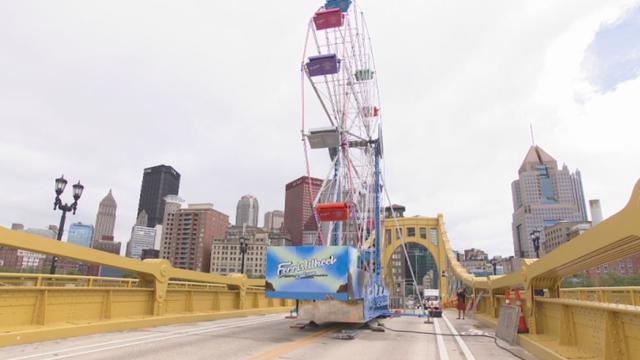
{"points": [[607, 280], [577, 280], [130, 275], [74, 272], [613, 279], [30, 270]]}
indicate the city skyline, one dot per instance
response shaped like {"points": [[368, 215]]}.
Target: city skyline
{"points": [[559, 79]]}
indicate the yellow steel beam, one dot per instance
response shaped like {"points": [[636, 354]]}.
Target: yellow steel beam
{"points": [[616, 237], [158, 269], [52, 306]]}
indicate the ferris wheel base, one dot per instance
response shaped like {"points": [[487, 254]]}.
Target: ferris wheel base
{"points": [[330, 283], [351, 311]]}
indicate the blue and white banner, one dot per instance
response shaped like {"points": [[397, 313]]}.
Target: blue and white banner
{"points": [[311, 272]]}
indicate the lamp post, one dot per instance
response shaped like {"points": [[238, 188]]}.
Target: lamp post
{"points": [[535, 239], [243, 250], [61, 183]]}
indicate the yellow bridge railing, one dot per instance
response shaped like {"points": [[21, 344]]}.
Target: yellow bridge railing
{"points": [[585, 323], [36, 307], [624, 295]]}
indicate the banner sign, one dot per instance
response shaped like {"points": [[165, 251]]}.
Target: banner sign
{"points": [[376, 300], [311, 272]]}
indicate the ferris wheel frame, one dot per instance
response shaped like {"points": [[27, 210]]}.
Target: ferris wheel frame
{"points": [[342, 76]]}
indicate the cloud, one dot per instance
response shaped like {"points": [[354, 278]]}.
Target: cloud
{"points": [[99, 91], [613, 56]]}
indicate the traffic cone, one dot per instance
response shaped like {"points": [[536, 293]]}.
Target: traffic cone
{"points": [[507, 297], [522, 324]]}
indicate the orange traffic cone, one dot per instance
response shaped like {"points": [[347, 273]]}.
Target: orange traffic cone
{"points": [[522, 324], [507, 297]]}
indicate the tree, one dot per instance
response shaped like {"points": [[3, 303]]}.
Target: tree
{"points": [[577, 280]]}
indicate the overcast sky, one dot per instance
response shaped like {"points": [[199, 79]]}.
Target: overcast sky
{"points": [[100, 90]]}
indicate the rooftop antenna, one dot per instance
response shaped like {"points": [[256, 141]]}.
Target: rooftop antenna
{"points": [[533, 141]]}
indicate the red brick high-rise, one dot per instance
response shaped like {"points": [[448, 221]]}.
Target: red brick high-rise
{"points": [[298, 215], [188, 234]]}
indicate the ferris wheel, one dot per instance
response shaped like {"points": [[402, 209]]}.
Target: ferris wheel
{"points": [[339, 66]]}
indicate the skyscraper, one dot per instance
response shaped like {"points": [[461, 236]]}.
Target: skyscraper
{"points": [[142, 237], [80, 234], [273, 220], [298, 214], [188, 234], [543, 195], [105, 219], [578, 194], [247, 211], [157, 182]]}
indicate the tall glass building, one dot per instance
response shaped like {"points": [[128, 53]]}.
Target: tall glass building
{"points": [[424, 268], [247, 211], [80, 234], [157, 182]]}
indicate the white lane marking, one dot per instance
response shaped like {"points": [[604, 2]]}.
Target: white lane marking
{"points": [[442, 351], [157, 335], [465, 349], [199, 331]]}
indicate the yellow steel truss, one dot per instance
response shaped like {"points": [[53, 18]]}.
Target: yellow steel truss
{"points": [[564, 323], [35, 307]]}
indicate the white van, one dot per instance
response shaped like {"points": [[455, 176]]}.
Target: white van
{"points": [[431, 298]]}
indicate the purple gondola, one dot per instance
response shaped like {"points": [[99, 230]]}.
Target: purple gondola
{"points": [[323, 65]]}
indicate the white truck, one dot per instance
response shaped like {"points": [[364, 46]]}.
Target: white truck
{"points": [[431, 298]]}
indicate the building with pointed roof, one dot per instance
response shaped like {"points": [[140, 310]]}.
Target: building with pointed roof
{"points": [[543, 195], [105, 219]]}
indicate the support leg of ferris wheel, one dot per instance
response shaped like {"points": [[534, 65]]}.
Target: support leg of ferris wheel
{"points": [[378, 185], [336, 179]]}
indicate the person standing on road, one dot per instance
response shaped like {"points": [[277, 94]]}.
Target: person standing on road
{"points": [[461, 302]]}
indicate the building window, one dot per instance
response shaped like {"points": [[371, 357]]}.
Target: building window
{"points": [[411, 232], [605, 268], [423, 233]]}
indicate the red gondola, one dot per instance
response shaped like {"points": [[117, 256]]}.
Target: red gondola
{"points": [[333, 211], [326, 19]]}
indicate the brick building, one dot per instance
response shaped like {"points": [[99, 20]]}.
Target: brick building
{"points": [[298, 214], [188, 234]]}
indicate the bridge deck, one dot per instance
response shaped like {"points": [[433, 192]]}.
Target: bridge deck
{"points": [[270, 337]]}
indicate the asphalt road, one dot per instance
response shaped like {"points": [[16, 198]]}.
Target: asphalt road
{"points": [[271, 337]]}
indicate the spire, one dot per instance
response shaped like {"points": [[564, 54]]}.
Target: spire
{"points": [[533, 141], [108, 200]]}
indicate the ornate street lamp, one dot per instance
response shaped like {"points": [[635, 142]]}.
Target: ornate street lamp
{"points": [[61, 183], [243, 250], [535, 239]]}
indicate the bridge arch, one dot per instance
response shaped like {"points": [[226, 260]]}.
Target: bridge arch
{"points": [[424, 231]]}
